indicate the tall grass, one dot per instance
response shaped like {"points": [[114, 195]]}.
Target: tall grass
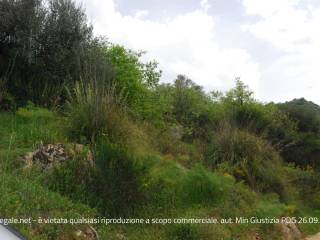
{"points": [[121, 178], [96, 111], [249, 158], [92, 109]]}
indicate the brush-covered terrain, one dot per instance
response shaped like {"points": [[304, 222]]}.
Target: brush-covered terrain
{"points": [[87, 131]]}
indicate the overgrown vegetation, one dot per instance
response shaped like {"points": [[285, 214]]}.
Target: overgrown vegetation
{"points": [[149, 149]]}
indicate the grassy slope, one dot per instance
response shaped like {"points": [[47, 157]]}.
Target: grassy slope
{"points": [[23, 197], [22, 194]]}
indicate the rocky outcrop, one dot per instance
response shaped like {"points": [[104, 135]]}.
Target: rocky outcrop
{"points": [[48, 155]]}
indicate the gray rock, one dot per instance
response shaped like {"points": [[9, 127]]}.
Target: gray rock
{"points": [[47, 155]]}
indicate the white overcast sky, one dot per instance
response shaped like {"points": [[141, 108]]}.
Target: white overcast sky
{"points": [[273, 45]]}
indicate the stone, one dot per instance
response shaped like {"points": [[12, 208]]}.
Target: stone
{"points": [[47, 155]]}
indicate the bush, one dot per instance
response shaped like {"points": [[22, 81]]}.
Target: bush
{"points": [[239, 201], [248, 158], [94, 111], [170, 186], [120, 180], [75, 179], [114, 185], [163, 185], [307, 184], [91, 111], [203, 187]]}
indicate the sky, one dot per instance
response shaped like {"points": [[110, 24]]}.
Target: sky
{"points": [[272, 45]]}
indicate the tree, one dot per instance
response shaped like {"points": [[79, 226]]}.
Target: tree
{"points": [[132, 78], [192, 108], [240, 94], [20, 25], [42, 48]]}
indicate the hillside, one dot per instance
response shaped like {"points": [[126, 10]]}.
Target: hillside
{"points": [[94, 146], [306, 113]]}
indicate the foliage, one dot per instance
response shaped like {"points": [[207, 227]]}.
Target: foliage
{"points": [[162, 186], [120, 180], [306, 113], [75, 179], [91, 110], [95, 111], [248, 158], [204, 188], [239, 95], [185, 104], [169, 185], [308, 185], [132, 77], [21, 198], [304, 149], [189, 105], [265, 120], [158, 149], [42, 47]]}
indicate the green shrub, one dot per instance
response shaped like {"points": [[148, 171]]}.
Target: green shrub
{"points": [[120, 179], [171, 186], [239, 201], [114, 185], [91, 110], [269, 206], [202, 187], [95, 111], [75, 179], [249, 158], [307, 183], [164, 185]]}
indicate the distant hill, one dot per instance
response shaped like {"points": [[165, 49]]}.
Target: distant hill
{"points": [[306, 113]]}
